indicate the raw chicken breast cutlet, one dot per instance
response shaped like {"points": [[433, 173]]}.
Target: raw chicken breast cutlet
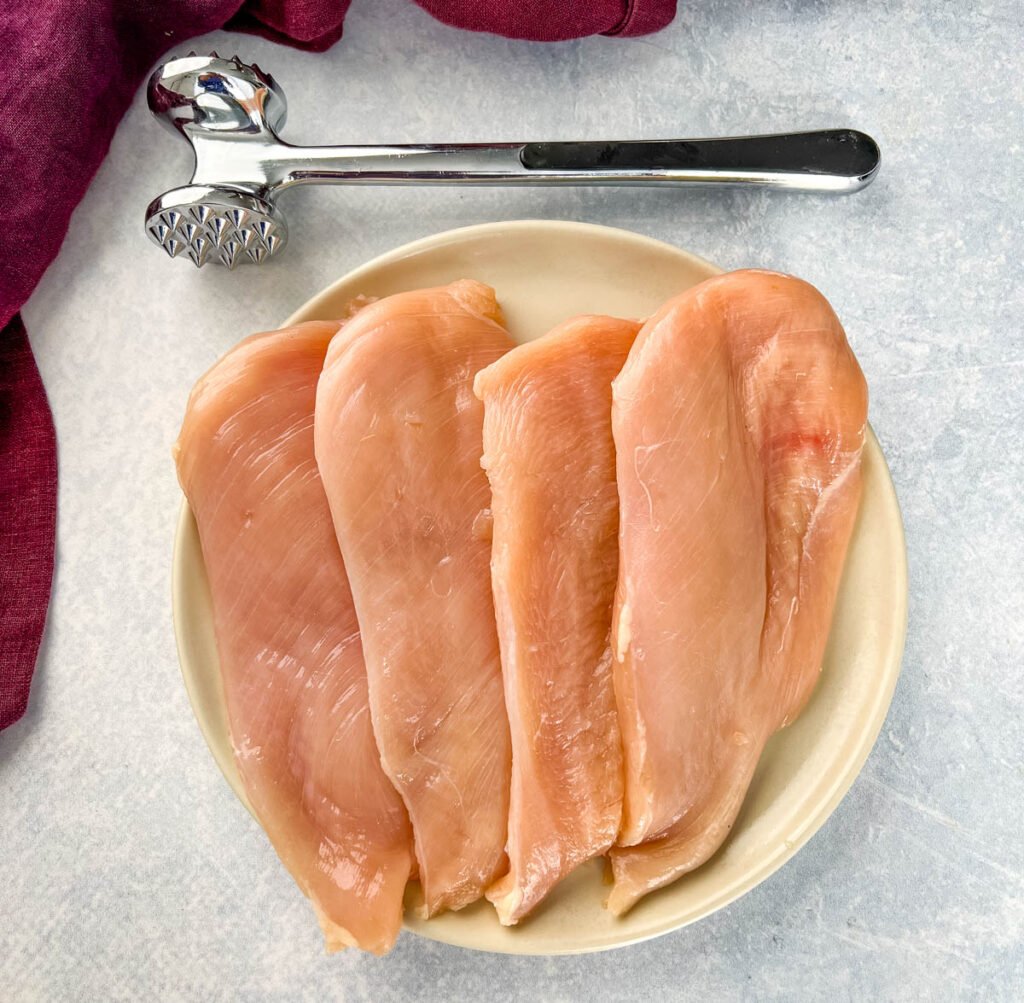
{"points": [[738, 422], [398, 440], [549, 457], [290, 659]]}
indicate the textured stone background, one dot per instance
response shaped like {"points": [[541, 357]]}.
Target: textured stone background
{"points": [[127, 871]]}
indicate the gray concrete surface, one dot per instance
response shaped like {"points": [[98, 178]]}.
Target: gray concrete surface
{"points": [[128, 871]]}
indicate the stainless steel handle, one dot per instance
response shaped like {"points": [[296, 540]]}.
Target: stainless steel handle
{"points": [[837, 160]]}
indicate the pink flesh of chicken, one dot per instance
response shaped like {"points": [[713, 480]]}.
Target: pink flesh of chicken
{"points": [[738, 423], [290, 659], [548, 453], [398, 441]]}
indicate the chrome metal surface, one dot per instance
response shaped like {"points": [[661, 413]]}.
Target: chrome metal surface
{"points": [[216, 224], [231, 113]]}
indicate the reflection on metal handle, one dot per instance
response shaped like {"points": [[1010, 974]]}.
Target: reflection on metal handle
{"points": [[839, 160]]}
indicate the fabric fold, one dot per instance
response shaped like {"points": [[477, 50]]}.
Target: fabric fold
{"points": [[28, 516]]}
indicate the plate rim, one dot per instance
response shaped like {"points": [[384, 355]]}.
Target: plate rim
{"points": [[460, 233], [811, 822]]}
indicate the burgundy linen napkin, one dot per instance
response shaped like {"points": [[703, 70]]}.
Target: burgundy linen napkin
{"points": [[70, 70], [28, 512]]}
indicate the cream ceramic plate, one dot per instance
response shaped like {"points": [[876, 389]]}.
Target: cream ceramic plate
{"points": [[545, 272]]}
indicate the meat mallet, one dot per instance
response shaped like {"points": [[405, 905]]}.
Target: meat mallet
{"points": [[231, 114]]}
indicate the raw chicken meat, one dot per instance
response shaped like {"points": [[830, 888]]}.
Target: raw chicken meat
{"points": [[548, 453], [738, 423], [398, 441], [290, 659]]}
